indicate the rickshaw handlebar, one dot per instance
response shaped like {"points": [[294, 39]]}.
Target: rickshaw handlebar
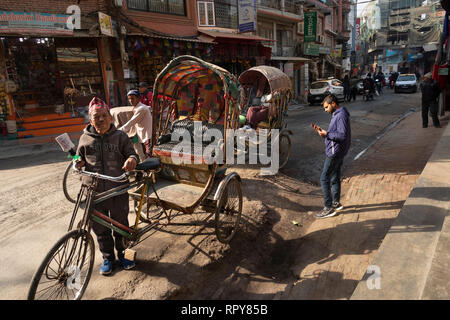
{"points": [[121, 178]]}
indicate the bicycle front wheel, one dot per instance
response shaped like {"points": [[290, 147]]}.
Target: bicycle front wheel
{"points": [[65, 272], [71, 184]]}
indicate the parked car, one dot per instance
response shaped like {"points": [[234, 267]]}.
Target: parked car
{"points": [[406, 82], [322, 88]]}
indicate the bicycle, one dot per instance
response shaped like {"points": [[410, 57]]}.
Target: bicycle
{"points": [[67, 268]]}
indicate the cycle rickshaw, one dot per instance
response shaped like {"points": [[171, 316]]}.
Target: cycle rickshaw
{"points": [[190, 97], [268, 88]]}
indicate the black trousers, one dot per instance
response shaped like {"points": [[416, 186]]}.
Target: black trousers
{"points": [[432, 108], [116, 208]]}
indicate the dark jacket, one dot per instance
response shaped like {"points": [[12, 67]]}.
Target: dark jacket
{"points": [[430, 92], [338, 138], [105, 154]]}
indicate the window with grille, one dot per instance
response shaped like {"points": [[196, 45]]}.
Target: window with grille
{"points": [[175, 7], [206, 15], [226, 14]]}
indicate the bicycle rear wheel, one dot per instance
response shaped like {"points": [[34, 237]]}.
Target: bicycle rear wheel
{"points": [[65, 272], [228, 210], [71, 184]]}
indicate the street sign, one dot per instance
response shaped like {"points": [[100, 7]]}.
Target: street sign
{"points": [[311, 49], [247, 15], [310, 25]]}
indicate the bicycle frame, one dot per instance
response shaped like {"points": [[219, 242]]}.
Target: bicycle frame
{"points": [[93, 198]]}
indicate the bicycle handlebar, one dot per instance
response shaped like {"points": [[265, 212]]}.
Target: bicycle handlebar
{"points": [[121, 178]]}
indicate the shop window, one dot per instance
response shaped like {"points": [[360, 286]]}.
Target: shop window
{"points": [[175, 7], [206, 14]]}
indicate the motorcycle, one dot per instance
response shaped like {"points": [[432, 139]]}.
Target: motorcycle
{"points": [[367, 95], [378, 86]]}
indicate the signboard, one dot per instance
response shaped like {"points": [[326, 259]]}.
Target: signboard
{"points": [[247, 15], [324, 50], [443, 71], [358, 33], [311, 49], [105, 23], [34, 23], [310, 25], [337, 52]]}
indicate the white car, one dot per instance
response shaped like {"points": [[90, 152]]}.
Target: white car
{"points": [[322, 88], [406, 82]]}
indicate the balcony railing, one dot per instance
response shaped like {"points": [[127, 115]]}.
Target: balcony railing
{"points": [[289, 5]]}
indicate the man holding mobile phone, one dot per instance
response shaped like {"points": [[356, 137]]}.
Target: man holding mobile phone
{"points": [[337, 143]]}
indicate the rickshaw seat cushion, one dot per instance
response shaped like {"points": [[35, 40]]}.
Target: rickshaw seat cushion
{"points": [[149, 164]]}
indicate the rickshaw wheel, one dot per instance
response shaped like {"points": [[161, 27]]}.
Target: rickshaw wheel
{"points": [[228, 210], [153, 214], [285, 149]]}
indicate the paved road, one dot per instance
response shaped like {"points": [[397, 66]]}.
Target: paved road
{"points": [[34, 213], [368, 119]]}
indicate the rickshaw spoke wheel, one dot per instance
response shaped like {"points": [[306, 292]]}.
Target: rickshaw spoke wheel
{"points": [[285, 149], [66, 270], [228, 211]]}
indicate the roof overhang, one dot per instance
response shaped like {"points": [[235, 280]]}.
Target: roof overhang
{"points": [[196, 39], [297, 59], [234, 36]]}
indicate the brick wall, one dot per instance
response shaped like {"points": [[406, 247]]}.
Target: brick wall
{"points": [[52, 6]]}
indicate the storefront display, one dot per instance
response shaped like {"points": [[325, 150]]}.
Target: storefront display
{"points": [[48, 75], [148, 56]]}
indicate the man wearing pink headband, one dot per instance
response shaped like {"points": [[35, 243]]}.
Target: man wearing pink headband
{"points": [[106, 150]]}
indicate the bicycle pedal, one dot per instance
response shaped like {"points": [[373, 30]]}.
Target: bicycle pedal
{"points": [[129, 254]]}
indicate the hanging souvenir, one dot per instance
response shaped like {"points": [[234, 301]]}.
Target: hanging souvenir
{"points": [[166, 43]]}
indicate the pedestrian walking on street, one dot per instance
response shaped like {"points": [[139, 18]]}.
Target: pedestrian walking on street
{"points": [[430, 100], [337, 143], [347, 88], [105, 150]]}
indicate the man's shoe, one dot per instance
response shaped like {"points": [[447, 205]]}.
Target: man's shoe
{"points": [[337, 206], [438, 126], [326, 213], [424, 126], [106, 267], [127, 264]]}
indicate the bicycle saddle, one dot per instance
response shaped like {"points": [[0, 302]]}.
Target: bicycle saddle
{"points": [[149, 164]]}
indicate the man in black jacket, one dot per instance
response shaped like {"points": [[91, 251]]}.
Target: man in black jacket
{"points": [[430, 97]]}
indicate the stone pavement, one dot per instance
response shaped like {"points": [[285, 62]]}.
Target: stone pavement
{"points": [[336, 252]]}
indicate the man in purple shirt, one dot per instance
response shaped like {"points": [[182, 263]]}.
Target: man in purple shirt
{"points": [[337, 143]]}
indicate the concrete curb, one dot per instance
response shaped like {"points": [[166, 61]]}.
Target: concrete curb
{"points": [[412, 261]]}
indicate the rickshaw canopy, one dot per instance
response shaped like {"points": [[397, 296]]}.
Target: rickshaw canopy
{"points": [[198, 88], [277, 79]]}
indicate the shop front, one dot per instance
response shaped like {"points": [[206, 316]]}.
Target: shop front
{"points": [[47, 73], [51, 75], [238, 52], [148, 55]]}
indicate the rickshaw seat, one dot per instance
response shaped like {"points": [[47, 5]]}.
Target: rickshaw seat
{"points": [[149, 164], [264, 125]]}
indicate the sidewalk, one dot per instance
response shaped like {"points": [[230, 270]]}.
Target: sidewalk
{"points": [[336, 252], [32, 146]]}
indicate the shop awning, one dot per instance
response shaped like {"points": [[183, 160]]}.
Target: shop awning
{"points": [[237, 36], [298, 59], [136, 34]]}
